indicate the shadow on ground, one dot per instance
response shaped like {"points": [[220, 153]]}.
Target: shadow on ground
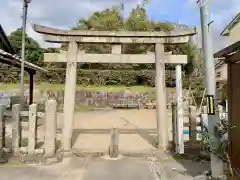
{"points": [[147, 134], [193, 161]]}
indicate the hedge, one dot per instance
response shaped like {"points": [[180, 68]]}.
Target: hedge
{"points": [[112, 77], [96, 77]]}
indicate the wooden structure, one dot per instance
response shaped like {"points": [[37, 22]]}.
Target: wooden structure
{"points": [[7, 57], [116, 39], [231, 56]]}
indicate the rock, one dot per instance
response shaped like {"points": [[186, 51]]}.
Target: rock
{"points": [[223, 177], [200, 177], [204, 176], [39, 152]]}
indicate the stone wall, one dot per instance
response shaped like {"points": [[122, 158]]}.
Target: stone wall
{"points": [[94, 99], [97, 99]]}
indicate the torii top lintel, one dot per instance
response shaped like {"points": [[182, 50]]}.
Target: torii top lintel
{"points": [[88, 36]]}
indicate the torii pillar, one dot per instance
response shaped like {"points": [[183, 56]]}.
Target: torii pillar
{"points": [[162, 124], [69, 95]]}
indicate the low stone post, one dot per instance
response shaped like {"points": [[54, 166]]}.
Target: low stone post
{"points": [[220, 109], [2, 134], [174, 126], [113, 148], [204, 109], [220, 112], [2, 126], [192, 123], [16, 128], [32, 134], [50, 128]]}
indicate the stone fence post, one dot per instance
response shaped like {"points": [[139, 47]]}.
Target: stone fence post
{"points": [[174, 125], [16, 128], [192, 123], [2, 127], [50, 128], [32, 136], [220, 109], [204, 109]]}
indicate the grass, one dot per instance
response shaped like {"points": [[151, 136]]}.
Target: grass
{"points": [[84, 108], [114, 88], [9, 86]]}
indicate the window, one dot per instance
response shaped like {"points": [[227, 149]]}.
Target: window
{"points": [[218, 74]]}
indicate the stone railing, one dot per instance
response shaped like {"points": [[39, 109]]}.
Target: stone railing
{"points": [[15, 123]]}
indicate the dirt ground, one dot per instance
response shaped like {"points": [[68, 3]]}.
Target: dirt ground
{"points": [[91, 133], [103, 168], [137, 128], [91, 130]]}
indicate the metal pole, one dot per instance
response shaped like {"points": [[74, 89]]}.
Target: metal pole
{"points": [[180, 135], [210, 83], [24, 22]]}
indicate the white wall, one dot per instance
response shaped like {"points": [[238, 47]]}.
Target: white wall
{"points": [[234, 34], [233, 37]]}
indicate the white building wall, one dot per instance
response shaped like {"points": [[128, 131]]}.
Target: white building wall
{"points": [[234, 34]]}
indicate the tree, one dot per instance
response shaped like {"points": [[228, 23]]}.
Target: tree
{"points": [[112, 19], [33, 49], [138, 20], [40, 61]]}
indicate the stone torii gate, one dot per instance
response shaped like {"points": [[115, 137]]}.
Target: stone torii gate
{"points": [[116, 38]]}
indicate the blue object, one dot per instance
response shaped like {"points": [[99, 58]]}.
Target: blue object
{"points": [[185, 131]]}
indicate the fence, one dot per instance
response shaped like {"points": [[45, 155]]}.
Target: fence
{"points": [[193, 125], [14, 119]]}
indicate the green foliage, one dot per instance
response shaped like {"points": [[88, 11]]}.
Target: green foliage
{"points": [[33, 50], [110, 19], [138, 20], [40, 61], [11, 75], [219, 145], [111, 77]]}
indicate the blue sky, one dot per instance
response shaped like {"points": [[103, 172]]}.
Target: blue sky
{"points": [[172, 11], [65, 13]]}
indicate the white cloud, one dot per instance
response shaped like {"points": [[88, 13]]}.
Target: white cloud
{"points": [[57, 13], [221, 12], [65, 13]]}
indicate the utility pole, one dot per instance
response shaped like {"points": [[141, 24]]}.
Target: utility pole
{"points": [[24, 22], [210, 84]]}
